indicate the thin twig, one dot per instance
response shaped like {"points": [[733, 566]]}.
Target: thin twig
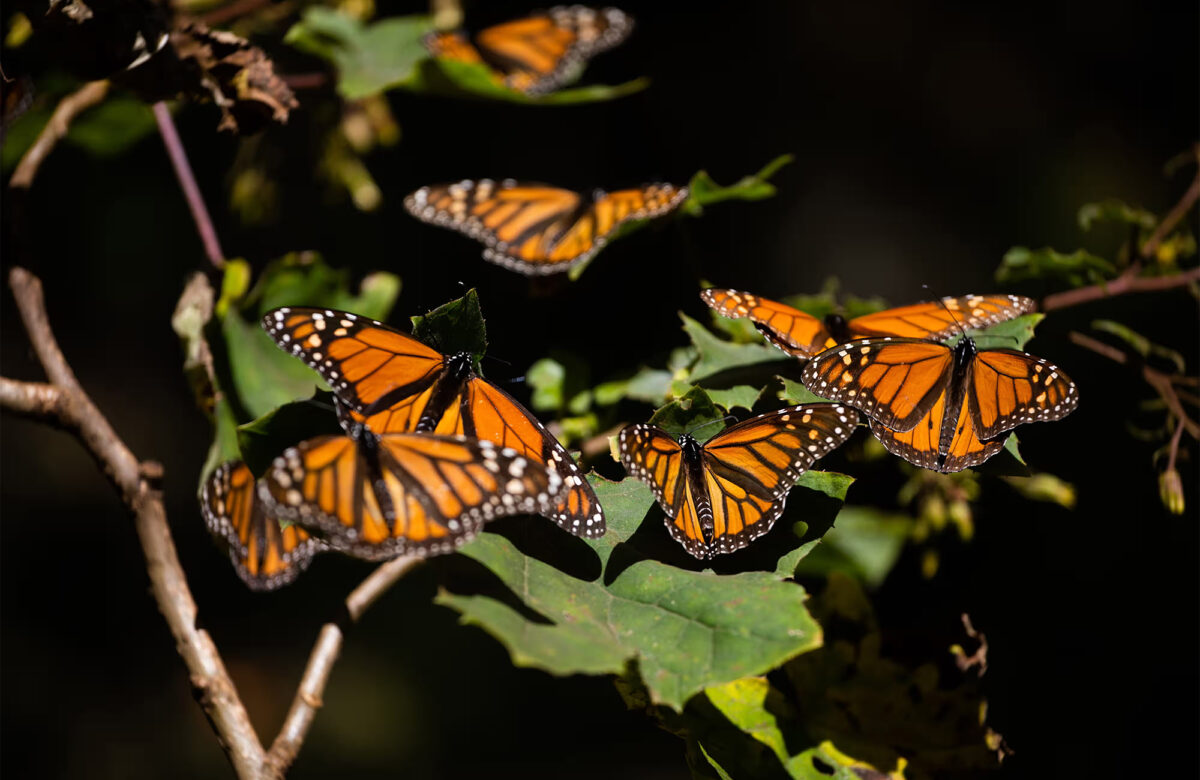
{"points": [[187, 181], [210, 681], [1176, 214], [1127, 282], [68, 108], [1158, 380], [320, 663], [226, 13], [1173, 452]]}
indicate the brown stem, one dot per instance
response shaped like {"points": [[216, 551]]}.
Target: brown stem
{"points": [[320, 663], [1161, 382], [75, 411], [225, 13], [187, 181], [68, 108], [305, 80], [1127, 282], [1173, 452], [1175, 215]]}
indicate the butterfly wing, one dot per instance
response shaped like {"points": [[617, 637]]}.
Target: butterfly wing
{"points": [[403, 494], [894, 381], [937, 320], [795, 332], [265, 555], [1006, 388], [489, 413], [922, 445], [650, 455], [539, 53], [366, 362], [750, 467]]}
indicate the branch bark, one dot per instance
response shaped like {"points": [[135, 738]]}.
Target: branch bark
{"points": [[60, 122], [64, 403]]}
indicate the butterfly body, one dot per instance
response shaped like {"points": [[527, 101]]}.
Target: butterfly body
{"points": [[939, 407], [541, 52], [721, 495], [392, 383], [537, 229]]}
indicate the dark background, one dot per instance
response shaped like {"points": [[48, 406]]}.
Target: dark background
{"points": [[930, 137]]}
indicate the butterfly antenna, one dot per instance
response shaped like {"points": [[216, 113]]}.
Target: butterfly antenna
{"points": [[697, 427], [949, 311]]}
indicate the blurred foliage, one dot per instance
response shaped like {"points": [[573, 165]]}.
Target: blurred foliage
{"points": [[703, 191], [1077, 268]]}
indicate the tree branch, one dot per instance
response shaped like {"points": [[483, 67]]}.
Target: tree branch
{"points": [[68, 108], [1176, 214], [320, 663], [1161, 382], [74, 410], [187, 182]]}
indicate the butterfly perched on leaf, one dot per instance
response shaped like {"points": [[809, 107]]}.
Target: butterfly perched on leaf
{"points": [[803, 335], [939, 407], [536, 229], [721, 495], [539, 53], [403, 493], [265, 554], [393, 383]]}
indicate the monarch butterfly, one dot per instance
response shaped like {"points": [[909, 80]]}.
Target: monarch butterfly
{"points": [[941, 407], [539, 53], [721, 495], [403, 493], [536, 229], [803, 336], [265, 555], [393, 383]]}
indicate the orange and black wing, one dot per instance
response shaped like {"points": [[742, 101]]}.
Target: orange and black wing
{"points": [[1006, 388], [265, 554], [406, 493], [795, 332], [539, 53], [923, 445], [750, 467], [937, 320], [650, 455], [368, 364], [533, 228], [487, 412], [894, 381]]}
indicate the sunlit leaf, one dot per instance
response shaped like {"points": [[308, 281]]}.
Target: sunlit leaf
{"points": [[703, 191], [717, 355], [737, 397], [685, 630], [694, 412], [1044, 487], [795, 393], [649, 385]]}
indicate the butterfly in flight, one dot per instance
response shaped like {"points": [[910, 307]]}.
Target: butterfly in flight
{"points": [[393, 383], [265, 554], [379, 496], [536, 229], [804, 336], [539, 53], [721, 495], [939, 407]]}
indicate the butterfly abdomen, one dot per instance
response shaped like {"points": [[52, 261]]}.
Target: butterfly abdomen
{"points": [[693, 466]]}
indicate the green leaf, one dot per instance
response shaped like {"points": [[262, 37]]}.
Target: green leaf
{"points": [[1013, 446], [1044, 487], [1078, 268], [260, 441], [474, 80], [1142, 345], [649, 385], [721, 773], [738, 397], [546, 377], [369, 58], [454, 327], [703, 191], [1013, 334], [811, 514], [694, 412], [1113, 210], [795, 393], [716, 355], [864, 543], [682, 630], [263, 376]]}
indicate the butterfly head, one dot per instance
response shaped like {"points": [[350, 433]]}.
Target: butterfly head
{"points": [[689, 445], [837, 327], [459, 365], [965, 350]]}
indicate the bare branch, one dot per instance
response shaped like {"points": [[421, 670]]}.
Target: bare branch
{"points": [[1176, 214], [320, 663], [60, 122], [75, 411], [187, 182], [1127, 282]]}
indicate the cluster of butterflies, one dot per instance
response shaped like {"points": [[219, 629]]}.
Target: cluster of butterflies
{"points": [[431, 451]]}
